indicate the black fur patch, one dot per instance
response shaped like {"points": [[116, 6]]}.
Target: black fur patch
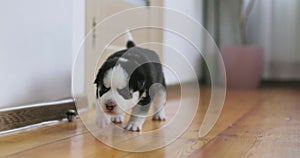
{"points": [[130, 44]]}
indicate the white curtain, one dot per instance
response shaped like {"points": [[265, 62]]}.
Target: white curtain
{"points": [[275, 25]]}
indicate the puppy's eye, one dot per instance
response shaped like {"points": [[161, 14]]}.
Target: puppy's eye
{"points": [[103, 90]]}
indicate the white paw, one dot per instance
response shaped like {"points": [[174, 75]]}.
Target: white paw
{"points": [[102, 122], [135, 124], [117, 119], [160, 116]]}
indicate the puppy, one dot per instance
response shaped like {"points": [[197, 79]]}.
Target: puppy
{"points": [[130, 79]]}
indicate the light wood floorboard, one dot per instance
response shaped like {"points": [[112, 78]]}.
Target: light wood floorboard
{"points": [[253, 123]]}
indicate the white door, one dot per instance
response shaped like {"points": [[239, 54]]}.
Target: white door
{"points": [[111, 35]]}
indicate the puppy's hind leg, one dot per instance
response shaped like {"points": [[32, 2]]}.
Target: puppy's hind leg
{"points": [[159, 103]]}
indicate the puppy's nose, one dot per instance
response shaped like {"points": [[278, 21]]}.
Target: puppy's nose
{"points": [[110, 105]]}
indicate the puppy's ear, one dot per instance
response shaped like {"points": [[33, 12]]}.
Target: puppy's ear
{"points": [[99, 77], [97, 95], [97, 80], [140, 84], [136, 82]]}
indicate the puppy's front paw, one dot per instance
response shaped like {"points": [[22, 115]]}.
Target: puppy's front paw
{"points": [[103, 122], [117, 119], [135, 125], [160, 116]]}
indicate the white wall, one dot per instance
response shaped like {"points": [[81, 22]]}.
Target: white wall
{"points": [[35, 51], [192, 8], [78, 46]]}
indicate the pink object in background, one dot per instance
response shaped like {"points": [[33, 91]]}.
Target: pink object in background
{"points": [[244, 66]]}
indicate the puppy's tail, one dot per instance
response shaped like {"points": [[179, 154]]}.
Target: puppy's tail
{"points": [[129, 40]]}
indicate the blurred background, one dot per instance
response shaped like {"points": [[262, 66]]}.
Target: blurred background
{"points": [[39, 41]]}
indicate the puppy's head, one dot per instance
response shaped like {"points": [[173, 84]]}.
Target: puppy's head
{"points": [[117, 91]]}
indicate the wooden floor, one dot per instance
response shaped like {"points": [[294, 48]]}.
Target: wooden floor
{"points": [[259, 123]]}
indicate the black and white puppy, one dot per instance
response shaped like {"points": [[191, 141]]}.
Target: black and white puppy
{"points": [[130, 79]]}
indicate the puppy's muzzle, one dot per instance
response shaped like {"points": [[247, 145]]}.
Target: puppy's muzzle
{"points": [[110, 105]]}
